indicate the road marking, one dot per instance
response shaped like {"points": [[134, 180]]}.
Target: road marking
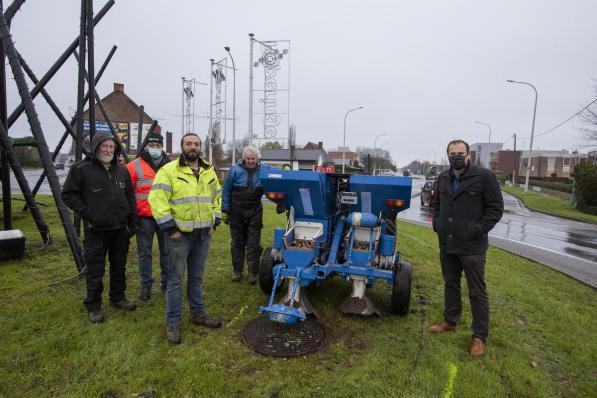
{"points": [[542, 248], [428, 224]]}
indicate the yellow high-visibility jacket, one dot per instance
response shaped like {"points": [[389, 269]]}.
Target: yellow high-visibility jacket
{"points": [[181, 200]]}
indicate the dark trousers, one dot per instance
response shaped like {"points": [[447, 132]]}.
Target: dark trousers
{"points": [[474, 271], [115, 244], [246, 241]]}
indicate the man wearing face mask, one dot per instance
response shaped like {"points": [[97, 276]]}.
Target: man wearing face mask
{"points": [[469, 204], [142, 171], [99, 189], [185, 201]]}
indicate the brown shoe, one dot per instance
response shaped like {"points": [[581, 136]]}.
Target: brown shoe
{"points": [[477, 347], [442, 327], [252, 278]]}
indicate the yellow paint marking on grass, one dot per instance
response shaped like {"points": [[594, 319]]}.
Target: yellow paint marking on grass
{"points": [[452, 371]]}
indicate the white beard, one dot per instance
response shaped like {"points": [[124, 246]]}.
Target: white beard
{"points": [[105, 158]]}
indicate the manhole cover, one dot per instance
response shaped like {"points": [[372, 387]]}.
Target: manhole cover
{"points": [[279, 340]]}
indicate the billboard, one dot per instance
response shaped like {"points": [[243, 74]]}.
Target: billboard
{"points": [[134, 131]]}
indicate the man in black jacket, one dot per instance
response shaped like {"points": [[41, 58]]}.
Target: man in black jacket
{"points": [[469, 204], [99, 189]]}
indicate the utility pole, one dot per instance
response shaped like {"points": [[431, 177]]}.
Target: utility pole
{"points": [[251, 89], [211, 109], [514, 173]]}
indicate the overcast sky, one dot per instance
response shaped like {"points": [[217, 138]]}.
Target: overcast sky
{"points": [[425, 71]]}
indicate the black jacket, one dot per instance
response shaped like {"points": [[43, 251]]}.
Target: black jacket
{"points": [[463, 219], [105, 199]]}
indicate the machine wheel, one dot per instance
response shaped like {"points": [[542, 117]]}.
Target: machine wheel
{"points": [[266, 266], [391, 226], [401, 288]]}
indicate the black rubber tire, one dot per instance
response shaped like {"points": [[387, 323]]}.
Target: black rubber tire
{"points": [[391, 226], [401, 288], [266, 275]]}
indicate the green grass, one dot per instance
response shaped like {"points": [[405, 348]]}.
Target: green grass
{"points": [[550, 204], [542, 338]]}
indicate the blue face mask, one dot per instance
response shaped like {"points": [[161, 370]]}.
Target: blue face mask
{"points": [[154, 153]]}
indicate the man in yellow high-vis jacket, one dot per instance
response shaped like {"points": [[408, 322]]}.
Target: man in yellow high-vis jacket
{"points": [[185, 201]]}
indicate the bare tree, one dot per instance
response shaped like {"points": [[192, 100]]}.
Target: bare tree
{"points": [[240, 145], [379, 157], [589, 116]]}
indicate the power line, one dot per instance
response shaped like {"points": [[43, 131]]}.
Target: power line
{"points": [[555, 127]]}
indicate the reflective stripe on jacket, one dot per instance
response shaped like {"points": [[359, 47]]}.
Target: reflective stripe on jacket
{"points": [[142, 175], [181, 200]]}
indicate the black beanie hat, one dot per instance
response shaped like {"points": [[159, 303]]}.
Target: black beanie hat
{"points": [[155, 137]]}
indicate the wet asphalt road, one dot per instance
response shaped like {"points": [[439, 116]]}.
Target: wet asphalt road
{"points": [[32, 176], [565, 245]]}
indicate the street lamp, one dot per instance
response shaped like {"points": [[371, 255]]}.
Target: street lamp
{"points": [[344, 140], [526, 182], [487, 124], [375, 150], [233, 106]]}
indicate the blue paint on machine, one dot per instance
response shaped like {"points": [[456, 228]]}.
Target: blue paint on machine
{"points": [[337, 225]]}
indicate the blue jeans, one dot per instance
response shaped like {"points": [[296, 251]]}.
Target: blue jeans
{"points": [[185, 252], [147, 228]]}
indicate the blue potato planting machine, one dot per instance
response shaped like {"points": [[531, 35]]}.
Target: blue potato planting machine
{"points": [[337, 225]]}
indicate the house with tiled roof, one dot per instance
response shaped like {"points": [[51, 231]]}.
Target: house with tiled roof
{"points": [[124, 114]]}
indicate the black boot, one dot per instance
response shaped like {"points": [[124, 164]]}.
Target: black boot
{"points": [[124, 304], [96, 316], [205, 320], [145, 293]]}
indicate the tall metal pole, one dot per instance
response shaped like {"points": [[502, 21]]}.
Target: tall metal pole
{"points": [[514, 172], [182, 108], [193, 115], [487, 124], [344, 139], [4, 165], [81, 83], [210, 130], [233, 107], [251, 88], [91, 68], [375, 151], [530, 164]]}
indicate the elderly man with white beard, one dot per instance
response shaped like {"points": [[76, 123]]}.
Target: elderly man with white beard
{"points": [[99, 189]]}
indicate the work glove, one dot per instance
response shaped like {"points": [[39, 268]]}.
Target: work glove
{"points": [[217, 222], [226, 219]]}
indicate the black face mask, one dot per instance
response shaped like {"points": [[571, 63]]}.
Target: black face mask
{"points": [[457, 162]]}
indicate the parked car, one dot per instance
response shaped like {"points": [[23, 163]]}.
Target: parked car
{"points": [[429, 193]]}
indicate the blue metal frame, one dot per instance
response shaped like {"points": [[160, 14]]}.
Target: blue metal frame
{"points": [[299, 264]]}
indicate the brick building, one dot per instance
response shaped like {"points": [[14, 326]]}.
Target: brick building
{"points": [[547, 163], [123, 112]]}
